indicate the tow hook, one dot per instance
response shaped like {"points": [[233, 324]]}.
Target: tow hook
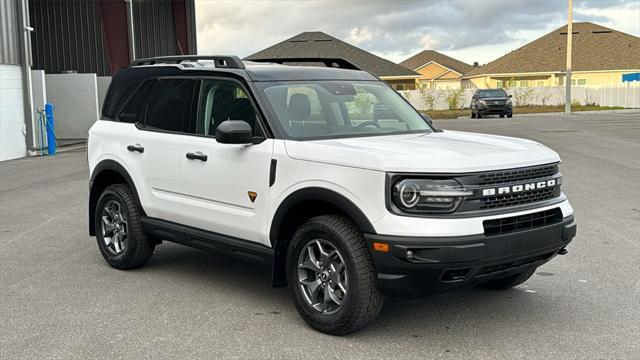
{"points": [[563, 251]]}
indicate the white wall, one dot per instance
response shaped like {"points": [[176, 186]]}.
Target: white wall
{"points": [[75, 97], [103, 86], [12, 127], [39, 93]]}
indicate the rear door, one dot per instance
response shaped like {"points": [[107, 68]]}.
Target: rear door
{"points": [[225, 186], [153, 146]]}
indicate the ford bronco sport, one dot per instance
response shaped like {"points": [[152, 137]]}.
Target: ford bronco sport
{"points": [[325, 174]]}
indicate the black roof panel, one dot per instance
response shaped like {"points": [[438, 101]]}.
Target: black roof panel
{"points": [[276, 72], [252, 72]]}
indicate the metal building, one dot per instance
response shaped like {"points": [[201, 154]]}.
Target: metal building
{"points": [[93, 36], [42, 38]]}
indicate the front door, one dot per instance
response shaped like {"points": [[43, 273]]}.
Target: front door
{"points": [[225, 187]]}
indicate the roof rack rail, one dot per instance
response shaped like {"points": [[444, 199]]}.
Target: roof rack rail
{"points": [[328, 62], [229, 62]]}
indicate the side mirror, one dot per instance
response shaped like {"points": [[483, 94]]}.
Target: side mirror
{"points": [[427, 118], [510, 96], [234, 132]]}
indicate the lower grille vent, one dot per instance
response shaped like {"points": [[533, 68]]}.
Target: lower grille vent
{"points": [[522, 222]]}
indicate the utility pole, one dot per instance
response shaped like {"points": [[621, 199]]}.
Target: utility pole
{"points": [[567, 83]]}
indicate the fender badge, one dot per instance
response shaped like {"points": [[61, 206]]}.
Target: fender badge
{"points": [[252, 196]]}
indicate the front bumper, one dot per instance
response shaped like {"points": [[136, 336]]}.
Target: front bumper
{"points": [[491, 110], [441, 264]]}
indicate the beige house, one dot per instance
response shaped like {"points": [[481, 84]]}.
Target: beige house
{"points": [[600, 56], [436, 70]]}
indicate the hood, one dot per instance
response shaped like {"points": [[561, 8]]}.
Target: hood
{"points": [[445, 152]]}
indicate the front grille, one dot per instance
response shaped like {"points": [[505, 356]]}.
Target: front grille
{"points": [[521, 198], [522, 222], [516, 175]]}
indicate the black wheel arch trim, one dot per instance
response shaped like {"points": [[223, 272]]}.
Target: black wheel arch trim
{"points": [[322, 194], [295, 198], [106, 165]]}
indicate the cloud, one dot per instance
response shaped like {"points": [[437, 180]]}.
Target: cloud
{"points": [[475, 30]]}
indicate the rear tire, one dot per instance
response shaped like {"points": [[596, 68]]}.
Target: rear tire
{"points": [[510, 281], [473, 114], [478, 115], [338, 245], [119, 233], [510, 116]]}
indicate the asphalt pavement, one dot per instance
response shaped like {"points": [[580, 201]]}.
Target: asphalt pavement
{"points": [[59, 299]]}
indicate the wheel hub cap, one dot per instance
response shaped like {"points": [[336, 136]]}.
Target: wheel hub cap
{"points": [[322, 276], [114, 227]]}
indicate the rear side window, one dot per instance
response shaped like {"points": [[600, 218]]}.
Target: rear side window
{"points": [[119, 92], [168, 104], [132, 110]]}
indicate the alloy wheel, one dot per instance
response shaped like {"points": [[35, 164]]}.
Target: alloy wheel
{"points": [[114, 227], [322, 276]]}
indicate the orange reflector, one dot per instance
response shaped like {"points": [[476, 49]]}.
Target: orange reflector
{"points": [[381, 247]]}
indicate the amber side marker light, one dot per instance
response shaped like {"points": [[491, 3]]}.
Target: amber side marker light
{"points": [[381, 247]]}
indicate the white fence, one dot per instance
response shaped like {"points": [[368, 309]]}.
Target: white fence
{"points": [[625, 95]]}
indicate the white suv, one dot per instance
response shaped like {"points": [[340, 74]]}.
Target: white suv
{"points": [[326, 175]]}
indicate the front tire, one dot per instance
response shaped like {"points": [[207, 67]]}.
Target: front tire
{"points": [[119, 233], [331, 275], [510, 281], [473, 114]]}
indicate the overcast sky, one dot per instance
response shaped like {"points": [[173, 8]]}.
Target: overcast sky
{"points": [[479, 30]]}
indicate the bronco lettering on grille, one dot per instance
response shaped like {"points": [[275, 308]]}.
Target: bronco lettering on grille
{"points": [[519, 188]]}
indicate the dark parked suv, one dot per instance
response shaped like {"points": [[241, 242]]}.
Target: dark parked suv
{"points": [[491, 102]]}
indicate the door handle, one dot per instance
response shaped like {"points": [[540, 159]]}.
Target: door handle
{"points": [[137, 147], [197, 156]]}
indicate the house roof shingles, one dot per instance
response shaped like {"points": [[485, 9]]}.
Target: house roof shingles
{"points": [[595, 47], [424, 57], [320, 45]]}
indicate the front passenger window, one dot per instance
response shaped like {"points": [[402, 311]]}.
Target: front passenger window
{"points": [[220, 101]]}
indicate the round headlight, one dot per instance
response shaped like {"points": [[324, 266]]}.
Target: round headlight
{"points": [[409, 195], [424, 195]]}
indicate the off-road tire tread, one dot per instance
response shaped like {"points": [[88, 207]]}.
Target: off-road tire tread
{"points": [[369, 296]]}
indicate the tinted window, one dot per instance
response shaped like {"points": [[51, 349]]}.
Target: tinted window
{"points": [[168, 104], [222, 100], [131, 112], [119, 92], [491, 93]]}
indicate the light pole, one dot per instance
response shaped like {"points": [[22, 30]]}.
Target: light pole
{"points": [[567, 83], [130, 30]]}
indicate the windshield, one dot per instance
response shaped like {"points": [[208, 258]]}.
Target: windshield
{"points": [[493, 93], [329, 109]]}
